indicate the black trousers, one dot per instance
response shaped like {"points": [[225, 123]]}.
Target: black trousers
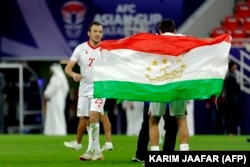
{"points": [[143, 138], [231, 117], [170, 127], [109, 107]]}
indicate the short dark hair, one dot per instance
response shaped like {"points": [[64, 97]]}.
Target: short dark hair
{"points": [[94, 23], [231, 63], [167, 25]]}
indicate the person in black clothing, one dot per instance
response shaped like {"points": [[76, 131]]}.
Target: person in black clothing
{"points": [[143, 138], [170, 127], [231, 95]]}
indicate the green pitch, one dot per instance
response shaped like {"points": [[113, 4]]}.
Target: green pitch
{"points": [[49, 151]]}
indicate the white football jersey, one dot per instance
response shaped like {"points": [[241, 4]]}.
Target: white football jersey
{"points": [[85, 55]]}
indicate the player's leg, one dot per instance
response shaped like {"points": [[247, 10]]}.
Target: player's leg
{"points": [[82, 126], [178, 109], [107, 131], [156, 110], [183, 133], [94, 151], [154, 133], [83, 114]]}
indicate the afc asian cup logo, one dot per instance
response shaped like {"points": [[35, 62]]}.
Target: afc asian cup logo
{"points": [[73, 14]]}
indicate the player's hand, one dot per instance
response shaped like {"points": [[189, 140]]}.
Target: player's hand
{"points": [[77, 77]]}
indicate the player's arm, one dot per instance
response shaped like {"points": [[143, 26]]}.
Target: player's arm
{"points": [[69, 71]]}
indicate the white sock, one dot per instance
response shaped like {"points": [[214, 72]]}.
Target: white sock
{"points": [[89, 148], [94, 136], [184, 147], [155, 148]]}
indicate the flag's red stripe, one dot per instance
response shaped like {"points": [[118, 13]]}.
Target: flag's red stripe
{"points": [[161, 44]]}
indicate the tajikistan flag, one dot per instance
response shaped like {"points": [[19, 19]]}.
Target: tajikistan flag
{"points": [[159, 68]]}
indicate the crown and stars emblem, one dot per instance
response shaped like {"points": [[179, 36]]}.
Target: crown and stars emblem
{"points": [[164, 69]]}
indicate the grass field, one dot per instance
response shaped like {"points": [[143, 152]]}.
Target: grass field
{"points": [[48, 151]]}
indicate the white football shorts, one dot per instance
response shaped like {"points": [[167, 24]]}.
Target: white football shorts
{"points": [[157, 109], [86, 104], [177, 108]]}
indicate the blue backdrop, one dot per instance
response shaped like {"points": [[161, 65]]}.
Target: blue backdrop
{"points": [[49, 30]]}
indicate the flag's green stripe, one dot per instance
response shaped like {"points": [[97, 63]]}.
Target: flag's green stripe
{"points": [[185, 90]]}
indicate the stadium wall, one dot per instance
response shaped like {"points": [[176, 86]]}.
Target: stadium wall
{"points": [[208, 15]]}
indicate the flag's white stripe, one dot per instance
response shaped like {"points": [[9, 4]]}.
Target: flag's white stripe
{"points": [[203, 62]]}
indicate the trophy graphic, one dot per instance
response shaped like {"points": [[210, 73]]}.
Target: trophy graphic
{"points": [[73, 14]]}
